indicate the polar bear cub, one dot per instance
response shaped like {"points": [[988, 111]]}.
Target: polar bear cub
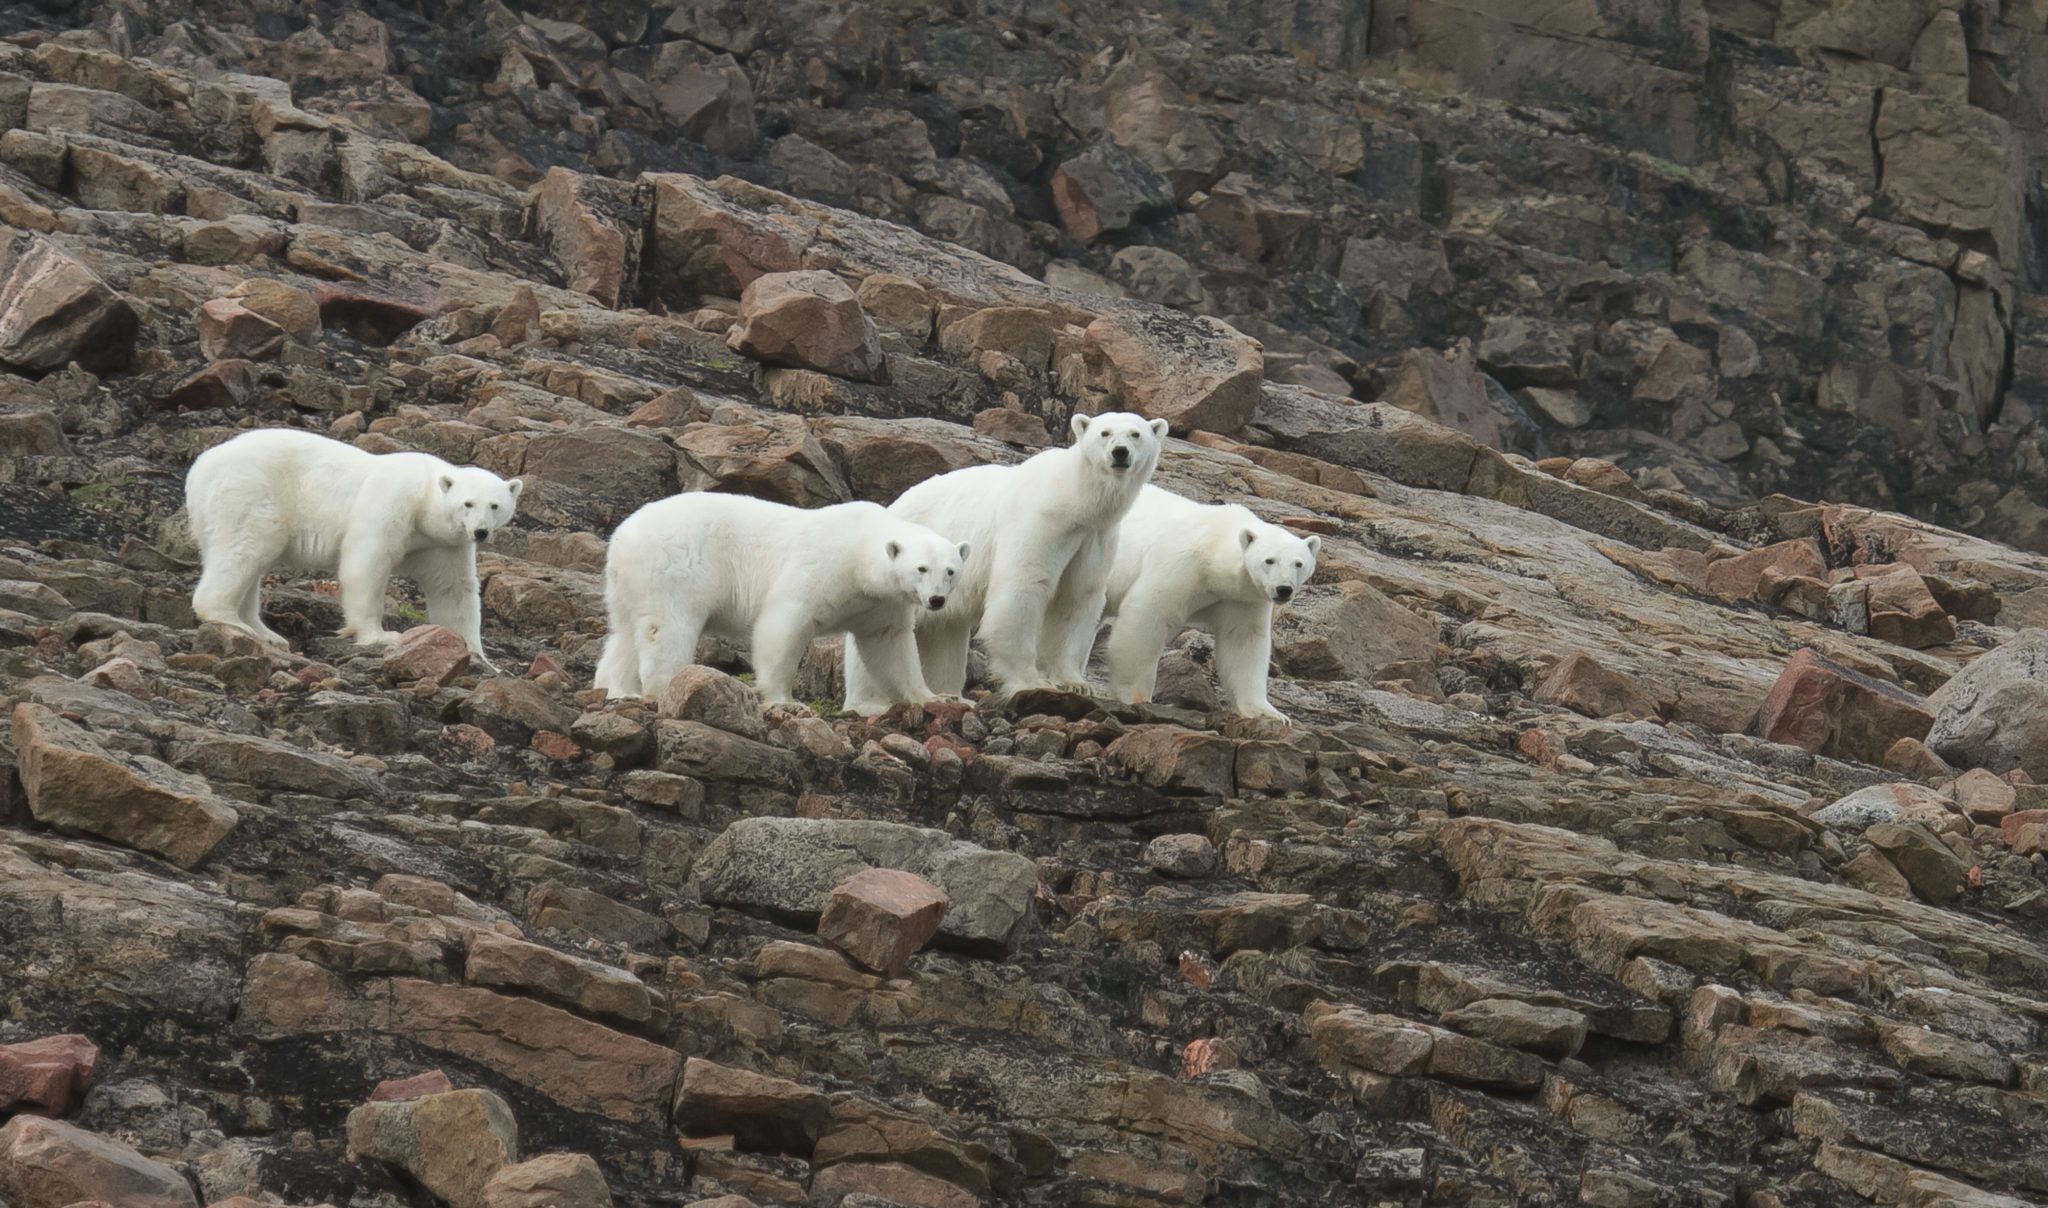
{"points": [[775, 576], [1215, 566], [1046, 533], [280, 498]]}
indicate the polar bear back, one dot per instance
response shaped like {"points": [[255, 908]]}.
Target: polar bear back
{"points": [[735, 557], [968, 506], [1166, 536], [307, 485]]}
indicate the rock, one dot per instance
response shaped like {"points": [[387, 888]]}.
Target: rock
{"points": [[759, 1111], [810, 320], [691, 748], [880, 917], [787, 867], [1185, 856], [1915, 760], [1864, 808], [30, 434], [230, 331], [873, 1184], [708, 695], [1824, 707], [47, 1077], [511, 709], [433, 1082], [1550, 1031], [711, 101], [778, 459], [1578, 683], [898, 306], [1984, 796], [1934, 871], [50, 1164], [1348, 632], [1738, 578], [555, 1180], [1178, 760], [1994, 713], [584, 986], [1902, 610], [452, 1143], [434, 653], [1925, 1051], [1193, 373], [572, 223], [1257, 229], [612, 463], [1453, 392], [74, 783], [54, 310], [1106, 188]]}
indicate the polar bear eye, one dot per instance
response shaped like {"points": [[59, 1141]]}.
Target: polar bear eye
{"points": [[494, 507], [1269, 562], [469, 503], [923, 569]]}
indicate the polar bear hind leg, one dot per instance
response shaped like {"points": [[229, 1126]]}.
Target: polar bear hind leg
{"points": [[666, 643], [1145, 622], [231, 581], [781, 636]]}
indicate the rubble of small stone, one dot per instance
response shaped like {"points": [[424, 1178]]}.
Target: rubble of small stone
{"points": [[1639, 839]]}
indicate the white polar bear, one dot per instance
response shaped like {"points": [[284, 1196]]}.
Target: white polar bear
{"points": [[282, 498], [1216, 566], [1046, 535], [775, 576]]}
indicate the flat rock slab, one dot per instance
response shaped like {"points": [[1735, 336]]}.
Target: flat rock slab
{"points": [[788, 867]]}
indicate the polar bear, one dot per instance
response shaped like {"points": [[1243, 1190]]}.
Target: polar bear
{"points": [[1046, 532], [281, 498], [1216, 566], [776, 577]]}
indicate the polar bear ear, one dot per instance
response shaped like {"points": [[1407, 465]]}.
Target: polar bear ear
{"points": [[895, 548], [447, 483], [1079, 425], [1245, 537], [1159, 428], [1315, 544], [517, 485], [963, 551]]}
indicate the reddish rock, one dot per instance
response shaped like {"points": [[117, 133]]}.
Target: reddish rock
{"points": [[888, 1183], [704, 242], [54, 310], [49, 1164], [371, 315], [1902, 610], [74, 783], [1537, 746], [555, 1180], [590, 250], [1582, 685], [1737, 578], [1196, 373], [1020, 428], [777, 459], [451, 1143], [391, 1090], [1107, 188], [230, 331], [292, 309], [470, 740], [1915, 760], [1258, 229], [558, 747], [434, 653], [229, 383], [48, 1076], [810, 320], [1198, 1057], [1824, 707], [758, 1111], [2025, 831], [1178, 759], [881, 917]]}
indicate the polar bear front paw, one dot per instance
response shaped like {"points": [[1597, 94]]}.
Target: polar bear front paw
{"points": [[1077, 687], [375, 640]]}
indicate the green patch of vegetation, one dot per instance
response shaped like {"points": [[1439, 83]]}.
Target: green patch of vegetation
{"points": [[411, 613], [823, 707], [745, 677], [100, 495]]}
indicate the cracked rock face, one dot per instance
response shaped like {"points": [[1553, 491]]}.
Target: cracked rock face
{"points": [[1660, 817]]}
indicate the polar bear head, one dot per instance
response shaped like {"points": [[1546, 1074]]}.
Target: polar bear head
{"points": [[1278, 561], [470, 504], [926, 567], [1120, 442]]}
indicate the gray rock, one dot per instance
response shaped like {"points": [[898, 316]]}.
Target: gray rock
{"points": [[1994, 713], [788, 866]]}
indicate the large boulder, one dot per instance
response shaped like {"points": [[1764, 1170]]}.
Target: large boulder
{"points": [[50, 1164], [1106, 188], [554, 1180], [1821, 706], [452, 1143], [47, 1076], [787, 867], [1193, 373], [75, 783], [810, 320], [1350, 631], [54, 310], [1994, 713]]}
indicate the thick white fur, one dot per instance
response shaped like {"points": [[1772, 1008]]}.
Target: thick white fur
{"points": [[1215, 566], [278, 498], [776, 577], [1045, 535]]}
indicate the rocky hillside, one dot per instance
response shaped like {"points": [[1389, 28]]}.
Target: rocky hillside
{"points": [[1649, 838]]}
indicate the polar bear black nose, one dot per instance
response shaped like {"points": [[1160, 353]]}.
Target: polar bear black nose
{"points": [[1120, 455], [1283, 594], [483, 534], [936, 602]]}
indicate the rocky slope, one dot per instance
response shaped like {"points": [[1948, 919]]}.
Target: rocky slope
{"points": [[1638, 842]]}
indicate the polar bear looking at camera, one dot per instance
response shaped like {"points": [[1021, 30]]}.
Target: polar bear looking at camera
{"points": [[1044, 535], [775, 577], [1215, 566], [278, 498]]}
